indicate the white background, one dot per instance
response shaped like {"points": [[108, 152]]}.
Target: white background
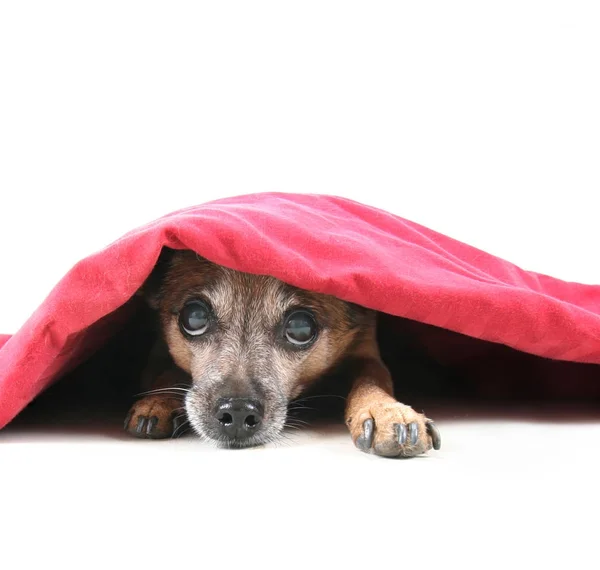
{"points": [[478, 119]]}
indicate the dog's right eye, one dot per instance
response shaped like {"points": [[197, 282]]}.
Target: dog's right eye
{"points": [[194, 318]]}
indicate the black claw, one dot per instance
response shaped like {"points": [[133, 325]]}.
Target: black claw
{"points": [[401, 433], [365, 440], [177, 422], [413, 428], [151, 425], [434, 433], [127, 420], [140, 425]]}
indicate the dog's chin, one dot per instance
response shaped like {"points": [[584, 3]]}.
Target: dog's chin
{"points": [[268, 434], [254, 441]]}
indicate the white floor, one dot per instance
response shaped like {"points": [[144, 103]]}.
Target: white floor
{"points": [[508, 489]]}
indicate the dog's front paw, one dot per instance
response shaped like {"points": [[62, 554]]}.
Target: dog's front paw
{"points": [[393, 430], [155, 417]]}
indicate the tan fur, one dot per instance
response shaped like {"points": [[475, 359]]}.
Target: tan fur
{"points": [[371, 398], [245, 352]]}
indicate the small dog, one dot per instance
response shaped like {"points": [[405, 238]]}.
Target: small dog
{"points": [[245, 346]]}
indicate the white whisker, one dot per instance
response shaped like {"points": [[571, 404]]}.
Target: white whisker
{"points": [[173, 391]]}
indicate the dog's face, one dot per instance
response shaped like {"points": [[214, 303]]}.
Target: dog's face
{"points": [[250, 343]]}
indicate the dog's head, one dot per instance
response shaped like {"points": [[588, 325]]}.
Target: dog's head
{"points": [[251, 344]]}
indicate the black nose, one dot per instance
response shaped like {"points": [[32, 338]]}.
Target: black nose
{"points": [[238, 418]]}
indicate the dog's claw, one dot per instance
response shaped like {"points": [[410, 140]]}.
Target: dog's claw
{"points": [[127, 420], [365, 440], [140, 425], [413, 429], [151, 425], [401, 432], [434, 433], [177, 422]]}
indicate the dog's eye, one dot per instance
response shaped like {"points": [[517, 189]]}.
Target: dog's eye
{"points": [[194, 318], [300, 328]]}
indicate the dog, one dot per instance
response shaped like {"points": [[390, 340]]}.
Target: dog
{"points": [[236, 349]]}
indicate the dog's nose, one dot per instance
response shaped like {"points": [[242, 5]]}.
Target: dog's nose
{"points": [[239, 418]]}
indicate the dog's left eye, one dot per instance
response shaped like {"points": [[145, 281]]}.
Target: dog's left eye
{"points": [[300, 328], [194, 318]]}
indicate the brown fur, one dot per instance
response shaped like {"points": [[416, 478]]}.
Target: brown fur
{"points": [[245, 354]]}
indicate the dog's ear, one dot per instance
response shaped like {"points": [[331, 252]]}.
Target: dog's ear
{"points": [[151, 290]]}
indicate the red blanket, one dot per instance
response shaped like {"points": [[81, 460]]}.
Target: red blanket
{"points": [[330, 245]]}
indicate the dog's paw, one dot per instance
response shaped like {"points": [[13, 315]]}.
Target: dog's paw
{"points": [[393, 430], [155, 417]]}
